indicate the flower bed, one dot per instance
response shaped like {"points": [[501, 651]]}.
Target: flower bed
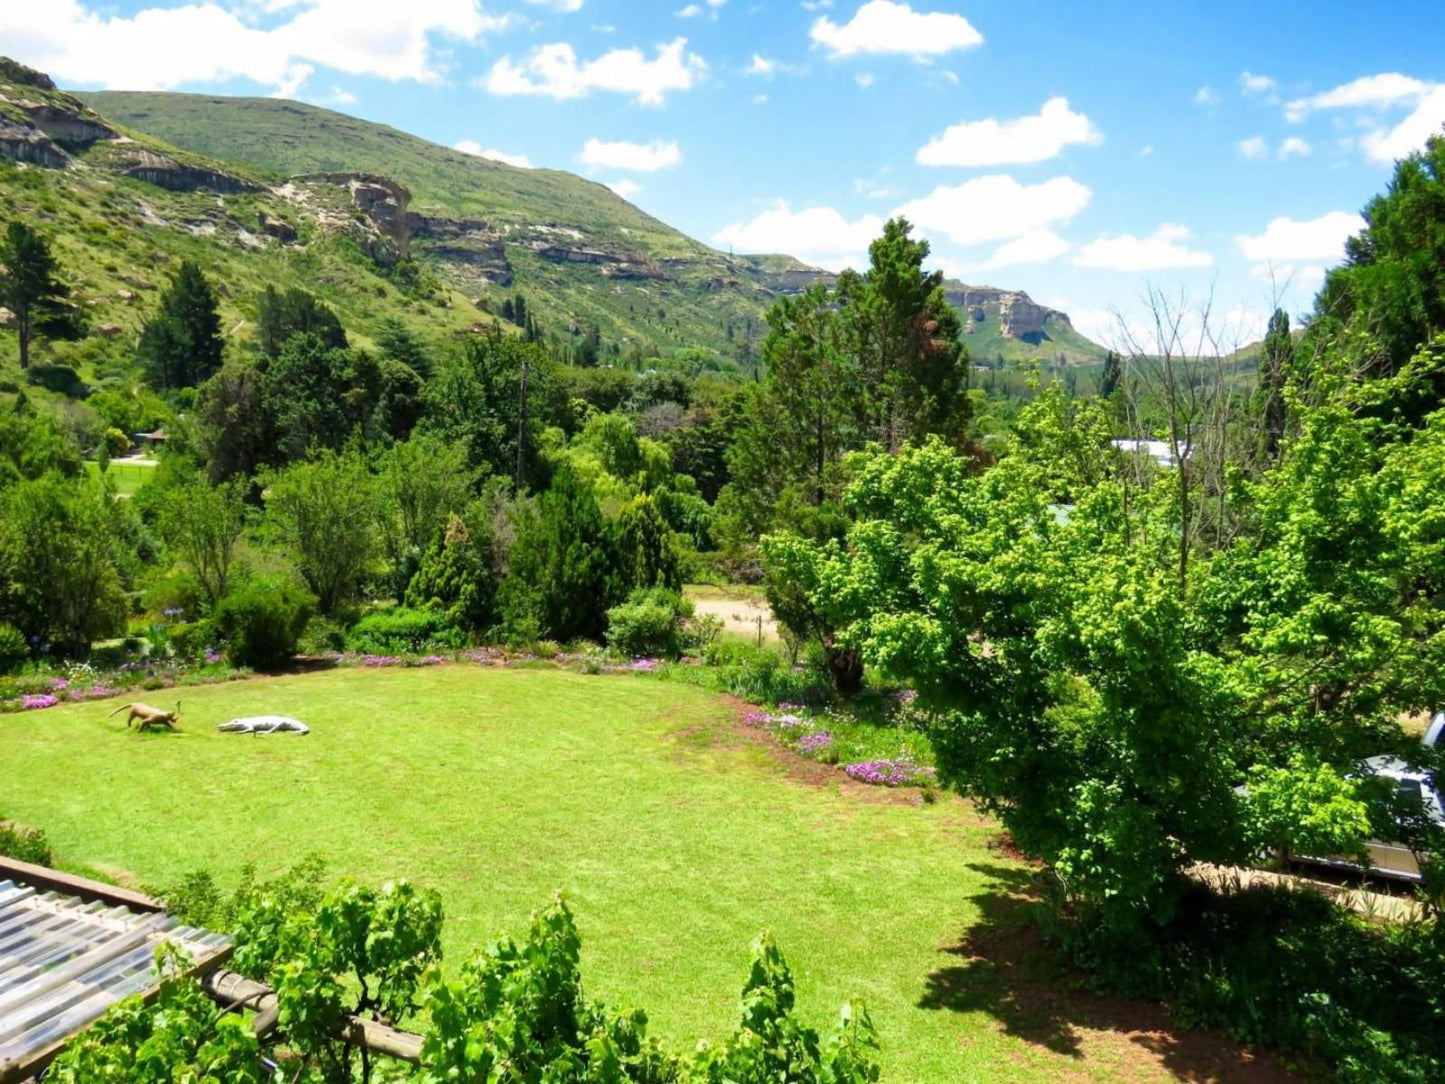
{"points": [[889, 773]]}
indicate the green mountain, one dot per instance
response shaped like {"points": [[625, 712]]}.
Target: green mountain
{"points": [[380, 224]]}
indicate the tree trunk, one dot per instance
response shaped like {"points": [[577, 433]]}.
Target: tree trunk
{"points": [[845, 665], [22, 325]]}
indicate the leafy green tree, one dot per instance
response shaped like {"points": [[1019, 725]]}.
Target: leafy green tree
{"points": [[261, 623], [31, 289], [235, 431], [421, 484], [564, 571], [60, 581], [282, 314], [400, 344], [646, 545], [181, 345], [203, 523], [1392, 284], [324, 510], [1276, 363], [475, 400]]}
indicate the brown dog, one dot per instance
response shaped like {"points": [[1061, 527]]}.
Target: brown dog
{"points": [[149, 716]]}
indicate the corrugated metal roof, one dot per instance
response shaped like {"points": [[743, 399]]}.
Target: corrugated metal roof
{"points": [[64, 961]]}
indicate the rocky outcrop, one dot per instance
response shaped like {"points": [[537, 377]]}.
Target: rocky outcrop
{"points": [[21, 143], [12, 71], [278, 228], [624, 265], [77, 127], [383, 202], [163, 171], [1019, 316]]}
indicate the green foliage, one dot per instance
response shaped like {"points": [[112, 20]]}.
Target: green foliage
{"points": [[30, 288], [25, 845], [181, 345], [564, 571], [60, 546], [13, 648], [202, 523], [652, 621], [325, 511], [61, 379], [403, 631], [180, 1038], [261, 623], [1392, 286], [461, 572], [283, 314], [421, 482], [647, 550]]}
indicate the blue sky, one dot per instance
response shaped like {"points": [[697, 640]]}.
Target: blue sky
{"points": [[1082, 152]]}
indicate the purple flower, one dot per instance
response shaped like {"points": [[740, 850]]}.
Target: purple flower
{"points": [[212, 655], [173, 611], [645, 666], [56, 684], [382, 660], [100, 692], [36, 701], [888, 773], [431, 660], [756, 718], [818, 740], [789, 722], [791, 705]]}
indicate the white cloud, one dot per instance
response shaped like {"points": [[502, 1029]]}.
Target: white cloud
{"points": [[625, 188], [636, 157], [160, 48], [1205, 96], [819, 235], [990, 142], [765, 67], [1308, 278], [865, 80], [996, 208], [1295, 147], [1253, 147], [1163, 250], [1286, 240], [554, 71], [1040, 246], [1389, 88], [1146, 150], [471, 146], [1410, 134], [883, 26], [1250, 83], [560, 5], [691, 11]]}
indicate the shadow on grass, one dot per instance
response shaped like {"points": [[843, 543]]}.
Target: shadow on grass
{"points": [[1006, 971]]}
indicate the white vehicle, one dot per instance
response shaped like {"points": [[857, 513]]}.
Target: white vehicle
{"points": [[1413, 784]]}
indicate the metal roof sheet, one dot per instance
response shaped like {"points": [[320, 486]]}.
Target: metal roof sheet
{"points": [[64, 961]]}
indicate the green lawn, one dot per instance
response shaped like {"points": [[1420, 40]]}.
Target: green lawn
{"points": [[128, 477], [675, 839]]}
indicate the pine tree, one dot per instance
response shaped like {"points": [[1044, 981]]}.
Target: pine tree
{"points": [[1109, 379], [181, 346], [1276, 357], [29, 288]]}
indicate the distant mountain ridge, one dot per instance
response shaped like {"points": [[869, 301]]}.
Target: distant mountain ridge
{"points": [[289, 175]]}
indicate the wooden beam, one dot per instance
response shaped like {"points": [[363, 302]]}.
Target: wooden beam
{"points": [[12, 869], [235, 991]]}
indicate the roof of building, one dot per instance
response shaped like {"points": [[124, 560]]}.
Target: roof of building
{"points": [[64, 961]]}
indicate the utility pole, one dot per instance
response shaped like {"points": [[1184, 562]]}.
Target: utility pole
{"points": [[522, 424]]}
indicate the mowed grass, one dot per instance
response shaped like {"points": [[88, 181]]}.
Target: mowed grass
{"points": [[128, 477], [674, 839]]}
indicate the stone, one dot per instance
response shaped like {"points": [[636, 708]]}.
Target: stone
{"points": [[109, 331]]}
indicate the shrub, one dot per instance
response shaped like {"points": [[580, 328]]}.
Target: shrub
{"points": [[650, 622], [26, 845], [404, 631], [58, 378], [13, 649], [262, 623], [190, 639]]}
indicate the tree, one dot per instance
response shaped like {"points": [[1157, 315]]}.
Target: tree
{"points": [[324, 509], [235, 431], [1276, 362], [1111, 375], [203, 523], [908, 342], [59, 578], [564, 572], [398, 343], [30, 289], [421, 483], [181, 345], [281, 315]]}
